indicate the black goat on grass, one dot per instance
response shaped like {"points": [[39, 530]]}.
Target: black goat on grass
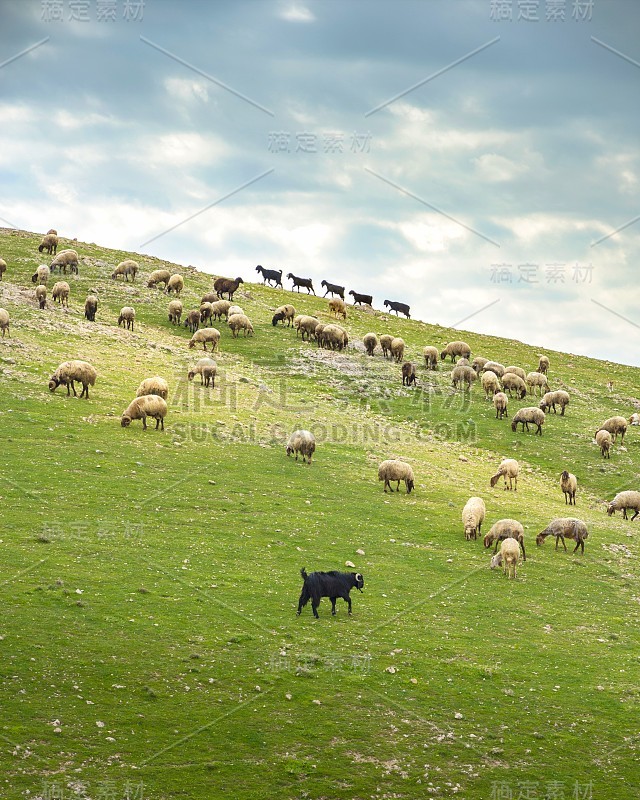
{"points": [[399, 308], [298, 282], [274, 275], [328, 584], [333, 288], [361, 298]]}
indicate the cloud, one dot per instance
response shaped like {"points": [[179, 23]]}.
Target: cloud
{"points": [[296, 12]]}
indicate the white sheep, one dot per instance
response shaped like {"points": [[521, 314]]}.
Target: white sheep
{"points": [[509, 468], [234, 309], [490, 383], [3, 267], [41, 296], [206, 368], [332, 336], [302, 443], [536, 379], [615, 426], [500, 403], [91, 307], [463, 375], [526, 416], [60, 293], [512, 382], [156, 385], [370, 342], [478, 363], [514, 371], [126, 268], [240, 322], [283, 314], [175, 312], [385, 344], [338, 307], [397, 348], [543, 365], [204, 337], [455, 350], [508, 557], [49, 243], [70, 371], [305, 324], [430, 354], [503, 529], [64, 259], [4, 321], [148, 405], [41, 275], [159, 276], [623, 501], [551, 399], [495, 367], [175, 284], [127, 317], [604, 440], [395, 470], [473, 515], [565, 528], [634, 419], [569, 485]]}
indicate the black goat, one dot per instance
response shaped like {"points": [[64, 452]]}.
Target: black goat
{"points": [[274, 275], [333, 288], [361, 298], [304, 282], [398, 307], [328, 584]]}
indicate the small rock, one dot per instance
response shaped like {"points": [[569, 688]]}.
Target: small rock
{"points": [[349, 564], [360, 552], [414, 680], [100, 724], [458, 715], [391, 670], [462, 458], [316, 702], [57, 730], [288, 695]]}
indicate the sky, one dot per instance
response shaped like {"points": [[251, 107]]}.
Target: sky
{"points": [[477, 159]]}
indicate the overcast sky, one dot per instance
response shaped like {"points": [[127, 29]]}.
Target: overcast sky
{"points": [[434, 152]]}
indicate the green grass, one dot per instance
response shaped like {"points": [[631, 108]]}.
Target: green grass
{"points": [[151, 579]]}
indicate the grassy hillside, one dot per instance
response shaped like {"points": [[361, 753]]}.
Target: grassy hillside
{"points": [[149, 640]]}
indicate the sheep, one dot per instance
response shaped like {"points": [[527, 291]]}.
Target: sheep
{"points": [[126, 268], [175, 312], [127, 317], [90, 307], [397, 348], [534, 379], [464, 362], [271, 275], [206, 368], [70, 371], [305, 325], [306, 283], [551, 399], [508, 557], [495, 367], [60, 293], [543, 365], [512, 382], [301, 443], [334, 337], [206, 311], [334, 289], [205, 336], [157, 386], [455, 350], [430, 354], [394, 470], [360, 299], [478, 363], [399, 308], [219, 308], [328, 584], [41, 275], [3, 268], [500, 403], [192, 320], [4, 321], [175, 284], [615, 426], [158, 276], [624, 501], [463, 375], [509, 468], [569, 485], [529, 414], [490, 383], [634, 419], [49, 243], [226, 285], [385, 344], [41, 296], [515, 371], [53, 231], [240, 322], [504, 529], [370, 342], [603, 440], [338, 307], [282, 313], [473, 515], [565, 528], [408, 374], [64, 259], [148, 405]]}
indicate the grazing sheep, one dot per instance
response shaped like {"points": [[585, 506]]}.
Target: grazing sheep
{"points": [[4, 321], [127, 317], [624, 501], [603, 440], [508, 557], [305, 325], [126, 268], [543, 365], [528, 415], [206, 312], [60, 293], [408, 374], [271, 275], [464, 362], [536, 379], [306, 283], [495, 367], [240, 322], [70, 371], [569, 485], [206, 368], [328, 584], [397, 348], [399, 308], [41, 296], [512, 382], [333, 337], [219, 308], [49, 243], [551, 399], [53, 231], [503, 529], [515, 371], [301, 443], [41, 275], [175, 284], [338, 307], [385, 344], [234, 310], [565, 528], [148, 405], [192, 320], [500, 403], [473, 515], [394, 470], [634, 419], [430, 354], [478, 363], [361, 299], [90, 307], [205, 336], [615, 426], [463, 375], [282, 313], [3, 268], [456, 350], [175, 312], [158, 276], [157, 386], [509, 468], [370, 342], [64, 259], [490, 384], [334, 289]]}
